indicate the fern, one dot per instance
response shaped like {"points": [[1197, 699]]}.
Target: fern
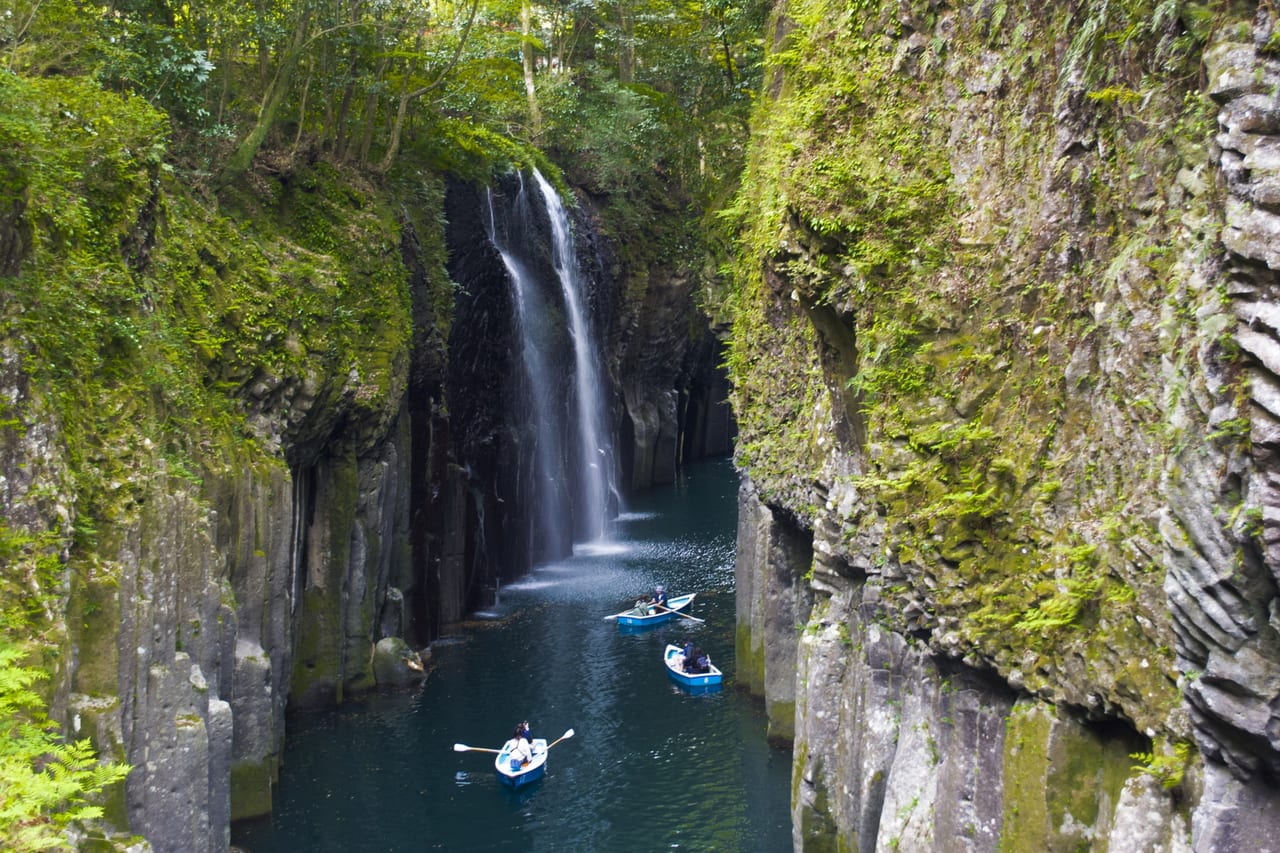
{"points": [[45, 781], [1166, 762]]}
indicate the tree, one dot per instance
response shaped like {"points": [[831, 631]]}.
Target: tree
{"points": [[407, 96]]}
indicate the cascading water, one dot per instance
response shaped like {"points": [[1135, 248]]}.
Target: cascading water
{"points": [[596, 480], [570, 479], [546, 500]]}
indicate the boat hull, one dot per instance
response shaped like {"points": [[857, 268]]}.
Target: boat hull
{"points": [[631, 619], [673, 658], [531, 772]]}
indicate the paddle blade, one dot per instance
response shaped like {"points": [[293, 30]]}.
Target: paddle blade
{"points": [[461, 747], [567, 735]]}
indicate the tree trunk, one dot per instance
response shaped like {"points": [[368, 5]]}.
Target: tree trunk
{"points": [[371, 109], [526, 58], [238, 163], [302, 108], [627, 43]]}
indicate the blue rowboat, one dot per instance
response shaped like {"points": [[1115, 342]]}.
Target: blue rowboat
{"points": [[634, 618], [515, 777], [674, 659]]}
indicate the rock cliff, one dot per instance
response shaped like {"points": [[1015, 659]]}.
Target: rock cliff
{"points": [[1003, 364], [250, 454]]}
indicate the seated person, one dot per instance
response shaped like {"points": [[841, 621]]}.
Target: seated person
{"points": [[521, 753]]}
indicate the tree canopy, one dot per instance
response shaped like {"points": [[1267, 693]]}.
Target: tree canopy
{"points": [[620, 88]]}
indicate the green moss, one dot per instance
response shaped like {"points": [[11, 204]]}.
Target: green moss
{"points": [[318, 655], [922, 321], [1058, 776], [94, 612], [817, 829], [750, 658], [799, 759], [251, 787], [782, 721], [1026, 773]]}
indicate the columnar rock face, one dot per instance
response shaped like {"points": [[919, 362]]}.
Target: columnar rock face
{"points": [[1002, 359], [207, 575], [774, 600]]}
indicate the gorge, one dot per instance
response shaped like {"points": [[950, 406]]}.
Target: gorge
{"points": [[990, 291]]}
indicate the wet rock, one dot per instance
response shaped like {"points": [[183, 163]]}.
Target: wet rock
{"points": [[395, 664]]}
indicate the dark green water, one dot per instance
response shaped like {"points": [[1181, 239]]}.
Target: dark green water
{"points": [[650, 767]]}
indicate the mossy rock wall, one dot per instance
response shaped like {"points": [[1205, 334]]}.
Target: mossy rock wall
{"points": [[195, 392], [1000, 344], [916, 752]]}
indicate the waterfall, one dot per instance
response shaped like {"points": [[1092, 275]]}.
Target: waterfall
{"points": [[565, 455], [595, 464], [542, 491]]}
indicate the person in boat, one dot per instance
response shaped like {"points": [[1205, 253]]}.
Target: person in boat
{"points": [[655, 603], [521, 752], [697, 662], [687, 649]]}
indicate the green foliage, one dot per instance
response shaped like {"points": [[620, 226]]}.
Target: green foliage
{"points": [[68, 143], [40, 37], [45, 783], [1167, 762], [152, 60], [610, 131], [1233, 430], [473, 152], [32, 571], [1116, 95], [1062, 606], [353, 79]]}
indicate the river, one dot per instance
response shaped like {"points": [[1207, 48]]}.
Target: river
{"points": [[649, 766]]}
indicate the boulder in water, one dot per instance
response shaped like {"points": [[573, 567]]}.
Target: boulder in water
{"points": [[395, 664]]}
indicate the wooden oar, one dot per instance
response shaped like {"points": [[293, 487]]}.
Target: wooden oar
{"points": [[462, 747], [685, 615], [564, 736]]}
